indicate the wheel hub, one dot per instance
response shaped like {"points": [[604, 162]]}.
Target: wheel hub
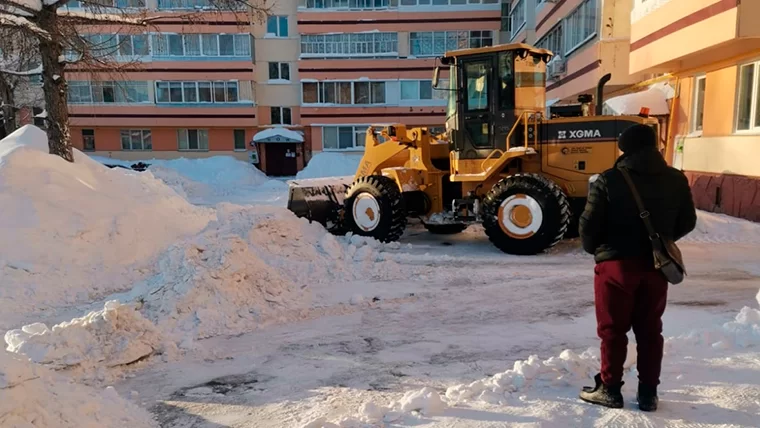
{"points": [[366, 211], [520, 216]]}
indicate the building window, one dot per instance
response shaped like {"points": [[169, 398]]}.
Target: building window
{"points": [[552, 40], [88, 140], [107, 92], [748, 110], [279, 71], [197, 92], [238, 136], [199, 4], [427, 3], [351, 93], [121, 4], [506, 19], [116, 45], [519, 16], [698, 109], [434, 43], [351, 4], [192, 139], [349, 45], [277, 26], [343, 137], [422, 90], [136, 139], [580, 26], [201, 45], [281, 116]]}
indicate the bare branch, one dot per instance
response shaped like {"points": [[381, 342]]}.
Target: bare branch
{"points": [[22, 24]]}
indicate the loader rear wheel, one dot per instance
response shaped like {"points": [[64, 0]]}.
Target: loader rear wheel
{"points": [[374, 207], [525, 214]]}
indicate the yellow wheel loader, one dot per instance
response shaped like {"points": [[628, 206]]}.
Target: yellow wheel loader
{"points": [[501, 162]]}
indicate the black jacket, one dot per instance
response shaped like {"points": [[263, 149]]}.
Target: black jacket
{"points": [[610, 226]]}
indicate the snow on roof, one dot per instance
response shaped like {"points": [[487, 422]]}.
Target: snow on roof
{"points": [[283, 133]]}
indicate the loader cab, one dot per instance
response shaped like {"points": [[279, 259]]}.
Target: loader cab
{"points": [[489, 89]]}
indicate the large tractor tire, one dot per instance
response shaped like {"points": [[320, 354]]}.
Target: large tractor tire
{"points": [[374, 207], [525, 214], [446, 229]]}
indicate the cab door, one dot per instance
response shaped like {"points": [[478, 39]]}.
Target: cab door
{"points": [[478, 114]]}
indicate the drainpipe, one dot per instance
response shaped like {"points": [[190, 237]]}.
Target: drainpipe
{"points": [[669, 140], [600, 93]]}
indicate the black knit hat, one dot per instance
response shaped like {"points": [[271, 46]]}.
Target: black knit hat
{"points": [[636, 138]]}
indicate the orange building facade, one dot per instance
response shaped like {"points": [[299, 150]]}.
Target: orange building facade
{"points": [[314, 76], [712, 48]]}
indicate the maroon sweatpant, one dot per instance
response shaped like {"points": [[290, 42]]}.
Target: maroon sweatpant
{"points": [[630, 293]]}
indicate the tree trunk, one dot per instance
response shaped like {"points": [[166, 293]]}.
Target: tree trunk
{"points": [[55, 88], [9, 103]]}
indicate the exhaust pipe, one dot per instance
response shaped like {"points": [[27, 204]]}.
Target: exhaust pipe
{"points": [[600, 93]]}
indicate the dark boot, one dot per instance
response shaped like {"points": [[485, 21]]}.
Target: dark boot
{"points": [[647, 398], [603, 395]]}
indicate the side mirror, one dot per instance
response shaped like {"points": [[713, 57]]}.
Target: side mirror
{"points": [[436, 73]]}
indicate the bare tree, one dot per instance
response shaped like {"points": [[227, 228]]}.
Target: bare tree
{"points": [[62, 36], [19, 64]]}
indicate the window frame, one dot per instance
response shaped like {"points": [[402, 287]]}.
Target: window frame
{"points": [[280, 67], [143, 133], [159, 41], [349, 45], [90, 136], [356, 130], [228, 85], [281, 113], [695, 106], [235, 133], [321, 91], [447, 37], [121, 92], [754, 99], [519, 27], [568, 26], [278, 22], [199, 132]]}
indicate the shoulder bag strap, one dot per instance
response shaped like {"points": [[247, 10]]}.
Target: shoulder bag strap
{"points": [[643, 213]]}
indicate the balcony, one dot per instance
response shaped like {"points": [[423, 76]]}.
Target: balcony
{"points": [[681, 35]]}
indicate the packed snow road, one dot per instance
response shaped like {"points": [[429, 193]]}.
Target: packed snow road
{"points": [[471, 313]]}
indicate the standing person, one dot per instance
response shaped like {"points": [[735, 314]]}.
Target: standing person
{"points": [[628, 290]]}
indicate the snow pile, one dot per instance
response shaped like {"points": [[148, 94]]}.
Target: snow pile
{"points": [[254, 265], [719, 229], [742, 332], [331, 164], [115, 336], [208, 180], [72, 232], [32, 396]]}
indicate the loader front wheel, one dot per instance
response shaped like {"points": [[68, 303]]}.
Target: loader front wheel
{"points": [[374, 207], [525, 214]]}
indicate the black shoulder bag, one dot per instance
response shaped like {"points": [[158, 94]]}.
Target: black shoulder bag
{"points": [[667, 256]]}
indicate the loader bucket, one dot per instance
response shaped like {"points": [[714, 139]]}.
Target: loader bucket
{"points": [[319, 199]]}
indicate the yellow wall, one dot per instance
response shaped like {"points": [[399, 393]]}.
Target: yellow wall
{"points": [[720, 102], [739, 155]]}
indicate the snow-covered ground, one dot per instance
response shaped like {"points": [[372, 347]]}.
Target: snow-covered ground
{"points": [[187, 296]]}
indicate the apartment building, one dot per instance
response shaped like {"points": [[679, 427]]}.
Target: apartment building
{"points": [[712, 48], [589, 38], [311, 78], [365, 62]]}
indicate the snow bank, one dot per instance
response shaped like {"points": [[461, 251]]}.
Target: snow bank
{"points": [[254, 265], [32, 396], [73, 231], [115, 336], [719, 229], [331, 164], [209, 180]]}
